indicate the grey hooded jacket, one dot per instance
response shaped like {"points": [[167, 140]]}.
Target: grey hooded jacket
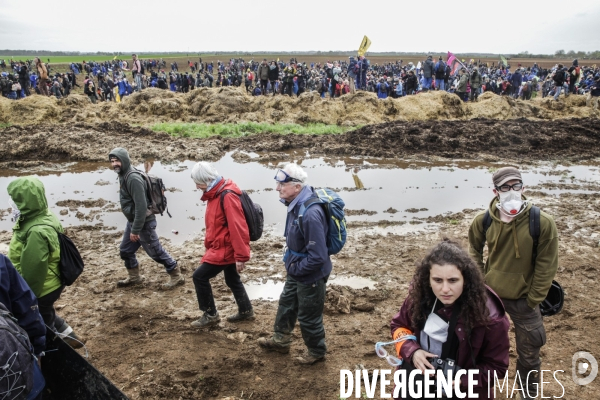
{"points": [[134, 200]]}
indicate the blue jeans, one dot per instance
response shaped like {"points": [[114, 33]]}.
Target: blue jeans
{"points": [[427, 83], [439, 84], [38, 383], [138, 82], [149, 241], [558, 88]]}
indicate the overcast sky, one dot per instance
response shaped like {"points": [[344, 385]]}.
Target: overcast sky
{"points": [[537, 26]]}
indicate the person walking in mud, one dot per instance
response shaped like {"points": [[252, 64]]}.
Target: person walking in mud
{"points": [[308, 267], [35, 250], [518, 268], [227, 245], [140, 229]]}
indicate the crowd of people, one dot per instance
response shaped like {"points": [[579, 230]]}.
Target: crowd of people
{"points": [[457, 307], [115, 79]]}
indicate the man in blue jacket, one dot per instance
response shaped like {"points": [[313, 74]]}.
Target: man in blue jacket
{"points": [[516, 80], [308, 267]]}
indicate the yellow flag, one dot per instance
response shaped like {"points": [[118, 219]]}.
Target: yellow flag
{"points": [[364, 46], [277, 59], [115, 57]]}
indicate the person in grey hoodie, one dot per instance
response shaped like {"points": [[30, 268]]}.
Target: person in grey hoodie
{"points": [[141, 224]]}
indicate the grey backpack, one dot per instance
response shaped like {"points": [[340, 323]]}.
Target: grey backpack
{"points": [[16, 358]]}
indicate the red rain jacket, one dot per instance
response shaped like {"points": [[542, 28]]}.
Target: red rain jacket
{"points": [[227, 240]]}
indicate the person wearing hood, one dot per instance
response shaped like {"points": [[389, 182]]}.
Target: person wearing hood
{"points": [[35, 250], [452, 314], [308, 266], [140, 230], [574, 75], [227, 243], [520, 273]]}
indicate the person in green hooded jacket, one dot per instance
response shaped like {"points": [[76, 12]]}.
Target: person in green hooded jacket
{"points": [[521, 281], [140, 230], [35, 250]]}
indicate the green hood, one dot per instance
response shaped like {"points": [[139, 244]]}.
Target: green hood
{"points": [[123, 156], [29, 195]]}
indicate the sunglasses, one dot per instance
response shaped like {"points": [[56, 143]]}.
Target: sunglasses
{"points": [[505, 188], [282, 177]]}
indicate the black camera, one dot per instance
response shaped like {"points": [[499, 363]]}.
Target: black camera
{"points": [[445, 366]]}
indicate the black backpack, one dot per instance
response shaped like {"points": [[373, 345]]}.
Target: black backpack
{"points": [[16, 358], [71, 264], [155, 192], [252, 212], [142, 69]]}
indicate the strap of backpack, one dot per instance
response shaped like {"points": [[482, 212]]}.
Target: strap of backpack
{"points": [[487, 221], [222, 195], [146, 181], [534, 230], [303, 208]]}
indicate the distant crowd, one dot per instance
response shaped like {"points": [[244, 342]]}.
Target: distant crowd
{"points": [[112, 80]]}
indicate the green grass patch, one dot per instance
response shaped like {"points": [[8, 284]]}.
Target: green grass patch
{"points": [[4, 125], [244, 129]]}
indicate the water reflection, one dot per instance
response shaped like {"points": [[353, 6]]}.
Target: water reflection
{"points": [[368, 186]]}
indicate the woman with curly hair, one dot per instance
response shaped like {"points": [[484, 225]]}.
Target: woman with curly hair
{"points": [[454, 316]]}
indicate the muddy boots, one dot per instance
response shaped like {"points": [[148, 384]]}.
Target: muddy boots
{"points": [[134, 278], [207, 320], [281, 346], [241, 316], [175, 279], [69, 337]]}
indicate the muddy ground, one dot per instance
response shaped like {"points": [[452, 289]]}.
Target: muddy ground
{"points": [[141, 337], [234, 105]]}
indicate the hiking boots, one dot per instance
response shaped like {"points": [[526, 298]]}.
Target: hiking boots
{"points": [[271, 345], [175, 279], [241, 316], [134, 278], [65, 332], [309, 359], [207, 320]]}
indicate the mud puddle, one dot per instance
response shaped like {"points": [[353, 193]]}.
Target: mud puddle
{"points": [[271, 289], [382, 196]]}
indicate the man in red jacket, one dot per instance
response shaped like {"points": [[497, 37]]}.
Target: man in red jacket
{"points": [[227, 245]]}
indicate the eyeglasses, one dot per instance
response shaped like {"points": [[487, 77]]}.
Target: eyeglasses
{"points": [[282, 177], [505, 188]]}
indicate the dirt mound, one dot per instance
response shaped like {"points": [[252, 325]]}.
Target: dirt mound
{"points": [[573, 139], [233, 104]]}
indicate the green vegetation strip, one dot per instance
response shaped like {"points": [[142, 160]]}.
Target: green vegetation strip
{"points": [[245, 129]]}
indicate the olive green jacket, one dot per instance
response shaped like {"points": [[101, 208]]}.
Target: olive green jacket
{"points": [[508, 268]]}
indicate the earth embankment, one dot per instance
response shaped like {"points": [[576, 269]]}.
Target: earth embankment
{"points": [[230, 104]]}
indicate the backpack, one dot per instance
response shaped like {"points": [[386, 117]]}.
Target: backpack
{"points": [[70, 265], [559, 77], [333, 205], [142, 69], [382, 87], [252, 212], [16, 358], [155, 192]]}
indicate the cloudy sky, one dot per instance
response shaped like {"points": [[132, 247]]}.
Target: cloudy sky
{"points": [[537, 26]]}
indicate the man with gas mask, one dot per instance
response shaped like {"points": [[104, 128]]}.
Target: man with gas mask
{"points": [[520, 266]]}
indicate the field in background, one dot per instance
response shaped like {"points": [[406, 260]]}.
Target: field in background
{"points": [[182, 60]]}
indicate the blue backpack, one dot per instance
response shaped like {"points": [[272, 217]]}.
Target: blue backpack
{"points": [[333, 205]]}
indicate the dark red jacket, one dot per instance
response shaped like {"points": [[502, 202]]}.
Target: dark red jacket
{"points": [[489, 343], [227, 239]]}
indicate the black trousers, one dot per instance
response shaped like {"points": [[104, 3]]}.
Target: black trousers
{"points": [[46, 306], [204, 293]]}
